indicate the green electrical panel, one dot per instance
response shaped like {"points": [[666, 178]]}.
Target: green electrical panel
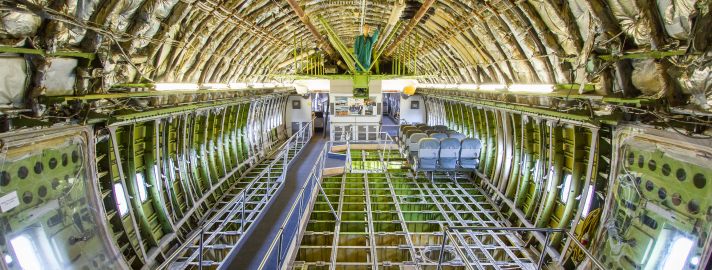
{"points": [[659, 217], [361, 80]]}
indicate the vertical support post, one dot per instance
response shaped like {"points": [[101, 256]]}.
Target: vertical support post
{"points": [[415, 59], [400, 60], [404, 58], [396, 56], [279, 255], [409, 45], [242, 225], [295, 51], [301, 49], [412, 54], [323, 160], [301, 204], [286, 155], [388, 159], [395, 59], [269, 180], [543, 250], [200, 254], [442, 249]]}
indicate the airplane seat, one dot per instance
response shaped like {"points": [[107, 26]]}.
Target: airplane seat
{"points": [[403, 126], [440, 128], [458, 136], [470, 153], [438, 136], [413, 145], [430, 132], [449, 152], [406, 137], [408, 133], [420, 125], [450, 132], [404, 134], [425, 128], [428, 152]]}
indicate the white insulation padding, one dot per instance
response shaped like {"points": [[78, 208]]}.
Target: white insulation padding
{"points": [[60, 77], [12, 79]]}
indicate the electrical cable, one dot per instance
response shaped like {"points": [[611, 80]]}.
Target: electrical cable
{"points": [[665, 120], [588, 234], [128, 59]]}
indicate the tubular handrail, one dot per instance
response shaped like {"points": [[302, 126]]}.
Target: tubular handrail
{"points": [[447, 232], [350, 125], [313, 178], [346, 135], [234, 201]]}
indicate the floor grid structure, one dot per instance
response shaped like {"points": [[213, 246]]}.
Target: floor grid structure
{"points": [[395, 220], [261, 184]]}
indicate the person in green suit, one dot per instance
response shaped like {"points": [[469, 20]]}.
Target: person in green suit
{"points": [[364, 45]]}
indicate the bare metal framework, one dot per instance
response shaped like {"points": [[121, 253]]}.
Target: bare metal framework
{"points": [[454, 233], [230, 219], [388, 217]]}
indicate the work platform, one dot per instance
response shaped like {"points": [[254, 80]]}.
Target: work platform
{"points": [[362, 207], [380, 214]]}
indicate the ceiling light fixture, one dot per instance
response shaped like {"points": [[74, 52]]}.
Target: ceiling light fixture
{"points": [[175, 87], [535, 88], [237, 85], [214, 86], [468, 86], [492, 87]]}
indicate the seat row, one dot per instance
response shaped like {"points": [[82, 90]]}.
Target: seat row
{"points": [[446, 149]]}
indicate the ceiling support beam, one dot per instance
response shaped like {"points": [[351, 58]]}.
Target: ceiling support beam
{"points": [[319, 40], [413, 22], [301, 56]]}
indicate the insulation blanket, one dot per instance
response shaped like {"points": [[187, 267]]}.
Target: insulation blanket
{"points": [[12, 79]]}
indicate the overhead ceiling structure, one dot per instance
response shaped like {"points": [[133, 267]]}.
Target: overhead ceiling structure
{"points": [[137, 134], [624, 48]]}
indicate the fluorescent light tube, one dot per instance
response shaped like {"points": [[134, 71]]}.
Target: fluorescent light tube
{"points": [[534, 88], [214, 86], [175, 87], [237, 85], [492, 87], [469, 86]]}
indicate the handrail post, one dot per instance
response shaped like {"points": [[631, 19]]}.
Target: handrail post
{"points": [[200, 254], [279, 255], [286, 156], [301, 200], [442, 250], [269, 180], [242, 225], [543, 250]]}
